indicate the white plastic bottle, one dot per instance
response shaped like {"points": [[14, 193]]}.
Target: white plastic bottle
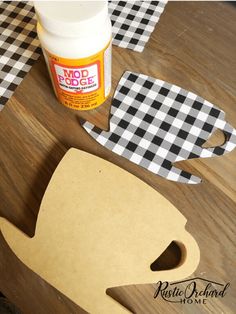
{"points": [[76, 40]]}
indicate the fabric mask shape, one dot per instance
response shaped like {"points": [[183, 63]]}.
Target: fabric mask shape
{"points": [[155, 124]]}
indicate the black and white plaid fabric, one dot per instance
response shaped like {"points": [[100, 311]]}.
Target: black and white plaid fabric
{"points": [[155, 124], [19, 46], [134, 21]]}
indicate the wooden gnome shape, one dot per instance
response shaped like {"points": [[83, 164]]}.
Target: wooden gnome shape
{"points": [[100, 227]]}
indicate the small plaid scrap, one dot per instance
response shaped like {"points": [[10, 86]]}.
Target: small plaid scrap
{"points": [[155, 124], [134, 21], [19, 46]]}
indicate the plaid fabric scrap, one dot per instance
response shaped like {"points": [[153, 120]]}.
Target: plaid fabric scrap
{"points": [[19, 46], [155, 124], [134, 21]]}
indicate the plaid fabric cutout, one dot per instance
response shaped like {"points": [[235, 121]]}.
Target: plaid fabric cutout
{"points": [[134, 21], [19, 46], [155, 124]]}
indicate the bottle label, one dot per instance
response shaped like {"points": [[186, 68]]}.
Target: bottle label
{"points": [[81, 84]]}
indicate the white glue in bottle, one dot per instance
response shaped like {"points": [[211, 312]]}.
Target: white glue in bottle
{"points": [[76, 41]]}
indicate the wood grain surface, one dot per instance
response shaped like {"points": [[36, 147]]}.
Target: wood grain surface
{"points": [[193, 46]]}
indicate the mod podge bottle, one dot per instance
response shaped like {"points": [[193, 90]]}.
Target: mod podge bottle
{"points": [[76, 40]]}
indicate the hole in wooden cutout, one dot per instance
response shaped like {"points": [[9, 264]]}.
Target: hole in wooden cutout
{"points": [[216, 139], [169, 259]]}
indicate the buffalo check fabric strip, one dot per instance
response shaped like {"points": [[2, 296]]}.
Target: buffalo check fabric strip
{"points": [[134, 21], [19, 46], [155, 124]]}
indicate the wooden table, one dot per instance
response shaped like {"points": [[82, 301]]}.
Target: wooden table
{"points": [[193, 46]]}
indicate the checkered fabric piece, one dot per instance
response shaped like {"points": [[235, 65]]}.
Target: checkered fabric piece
{"points": [[155, 124], [19, 46], [134, 21]]}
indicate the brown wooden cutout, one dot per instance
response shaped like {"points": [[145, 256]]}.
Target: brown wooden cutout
{"points": [[100, 227]]}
